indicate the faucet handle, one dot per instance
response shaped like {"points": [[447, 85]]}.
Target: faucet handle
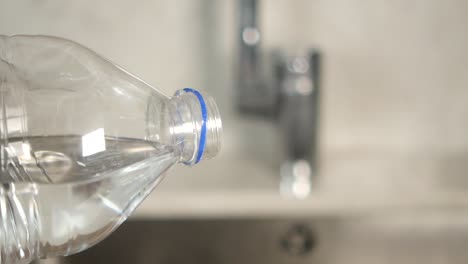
{"points": [[297, 80]]}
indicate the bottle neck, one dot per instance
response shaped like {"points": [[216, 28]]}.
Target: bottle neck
{"points": [[195, 126]]}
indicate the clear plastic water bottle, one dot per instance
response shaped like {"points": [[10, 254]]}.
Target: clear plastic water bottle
{"points": [[83, 142]]}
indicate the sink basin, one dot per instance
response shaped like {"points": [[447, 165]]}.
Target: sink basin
{"points": [[412, 237], [348, 182]]}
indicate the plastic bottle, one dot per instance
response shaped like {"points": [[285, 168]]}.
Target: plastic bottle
{"points": [[83, 142]]}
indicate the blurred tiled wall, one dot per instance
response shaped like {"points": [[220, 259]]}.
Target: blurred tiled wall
{"points": [[395, 72]]}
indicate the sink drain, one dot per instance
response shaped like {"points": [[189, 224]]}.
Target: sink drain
{"points": [[298, 240]]}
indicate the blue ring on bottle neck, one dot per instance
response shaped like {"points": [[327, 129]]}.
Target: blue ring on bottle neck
{"points": [[204, 112]]}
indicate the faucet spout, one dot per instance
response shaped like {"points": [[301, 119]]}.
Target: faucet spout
{"points": [[298, 80]]}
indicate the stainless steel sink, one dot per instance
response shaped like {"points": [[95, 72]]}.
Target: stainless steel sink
{"points": [[409, 237]]}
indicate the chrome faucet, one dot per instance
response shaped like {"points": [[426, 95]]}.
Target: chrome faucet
{"points": [[290, 98]]}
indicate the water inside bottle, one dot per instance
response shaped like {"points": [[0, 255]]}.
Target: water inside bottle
{"points": [[77, 197]]}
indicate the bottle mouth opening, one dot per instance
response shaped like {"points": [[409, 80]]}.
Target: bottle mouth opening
{"points": [[207, 125]]}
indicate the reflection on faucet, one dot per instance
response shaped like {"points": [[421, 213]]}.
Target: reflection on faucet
{"points": [[291, 98], [295, 178]]}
